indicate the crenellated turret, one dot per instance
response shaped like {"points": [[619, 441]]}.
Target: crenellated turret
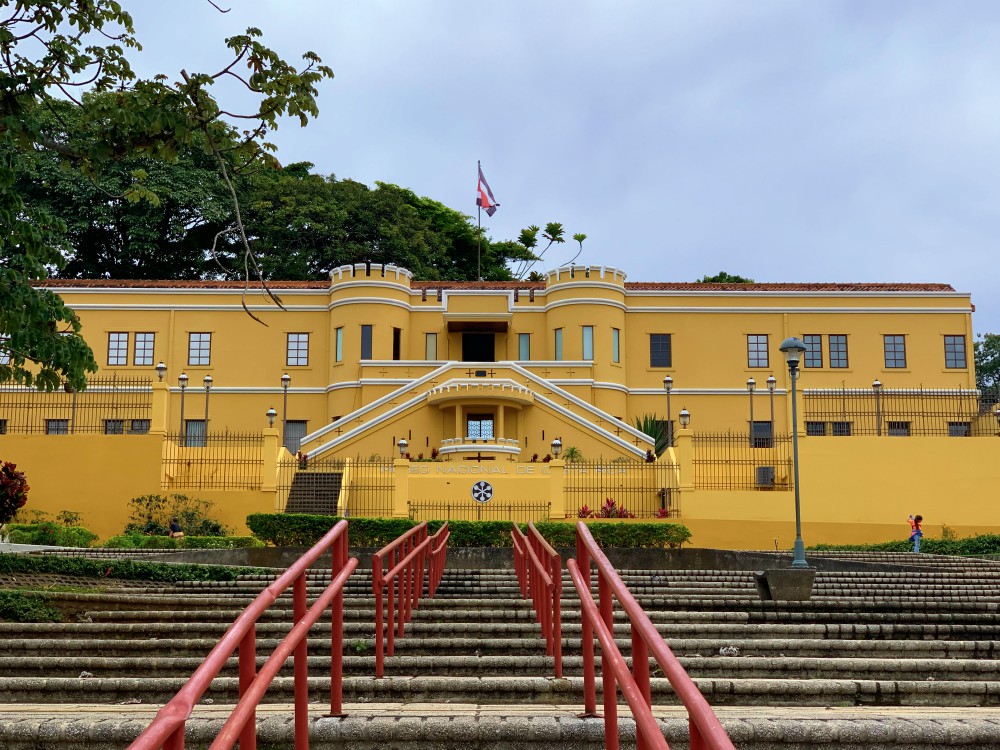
{"points": [[371, 272], [585, 274]]}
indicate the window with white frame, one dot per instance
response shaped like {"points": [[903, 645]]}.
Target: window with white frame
{"points": [[757, 350], [142, 351], [559, 347], [199, 349], [117, 349], [297, 351], [339, 347], [616, 345], [588, 342]]}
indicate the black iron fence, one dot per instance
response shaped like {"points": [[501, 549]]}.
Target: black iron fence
{"points": [[363, 488], [223, 461], [900, 412], [645, 490], [737, 462], [112, 406], [421, 510]]}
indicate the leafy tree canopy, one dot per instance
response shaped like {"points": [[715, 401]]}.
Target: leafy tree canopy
{"points": [[723, 277], [60, 55], [987, 357]]}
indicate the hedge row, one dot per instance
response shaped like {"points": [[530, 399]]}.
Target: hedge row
{"points": [[17, 606], [985, 544], [49, 532], [142, 541], [302, 530], [125, 569]]}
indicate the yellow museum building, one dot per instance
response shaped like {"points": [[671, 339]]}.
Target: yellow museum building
{"points": [[376, 394]]}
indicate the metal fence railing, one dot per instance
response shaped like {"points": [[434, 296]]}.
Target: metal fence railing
{"points": [[424, 510], [900, 412], [737, 462], [223, 461], [113, 406], [358, 488], [646, 490]]}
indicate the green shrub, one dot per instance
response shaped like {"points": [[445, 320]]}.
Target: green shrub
{"points": [[135, 540], [151, 515], [121, 569], [48, 532], [302, 530], [984, 544], [17, 606]]}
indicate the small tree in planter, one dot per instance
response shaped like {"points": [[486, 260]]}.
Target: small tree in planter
{"points": [[13, 492]]}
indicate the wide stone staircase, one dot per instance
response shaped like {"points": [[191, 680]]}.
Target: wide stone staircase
{"points": [[877, 658]]}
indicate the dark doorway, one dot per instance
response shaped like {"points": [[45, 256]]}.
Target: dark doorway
{"points": [[478, 347]]}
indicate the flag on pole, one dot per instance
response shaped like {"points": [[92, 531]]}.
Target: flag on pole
{"points": [[485, 199]]}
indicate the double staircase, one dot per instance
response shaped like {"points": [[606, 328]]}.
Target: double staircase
{"points": [[877, 658]]}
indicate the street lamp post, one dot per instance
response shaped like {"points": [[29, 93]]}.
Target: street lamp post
{"points": [[182, 381], [208, 388], [668, 385], [161, 370], [270, 414], [793, 349], [286, 380], [877, 390], [556, 448], [751, 387], [402, 445], [684, 418], [771, 383]]}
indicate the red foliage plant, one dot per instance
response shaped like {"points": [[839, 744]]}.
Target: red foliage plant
{"points": [[13, 491]]}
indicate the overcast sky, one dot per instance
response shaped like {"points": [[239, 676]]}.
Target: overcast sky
{"points": [[782, 140]]}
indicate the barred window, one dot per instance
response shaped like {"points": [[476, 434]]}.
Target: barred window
{"points": [[840, 429], [757, 350], [660, 350], [838, 350], [954, 352], [297, 352], [199, 348], [959, 429], [138, 427], [114, 427], [815, 429], [3, 426], [762, 434], [479, 426], [117, 349], [142, 354], [56, 426], [814, 350], [899, 429], [895, 351]]}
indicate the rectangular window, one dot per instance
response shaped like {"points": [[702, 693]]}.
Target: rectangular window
{"points": [[56, 426], [138, 427], [142, 354], [199, 349], [899, 429], [339, 348], [815, 429], [840, 429], [194, 433], [763, 434], [295, 430], [524, 347], [895, 351], [430, 346], [114, 426], [959, 429], [814, 350], [117, 349], [397, 344], [559, 355], [366, 342], [479, 426], [297, 350], [838, 350], [757, 350], [954, 352], [4, 353], [660, 354], [588, 343], [616, 343], [3, 426]]}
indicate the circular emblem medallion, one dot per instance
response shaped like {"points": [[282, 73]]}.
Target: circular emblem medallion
{"points": [[482, 492]]}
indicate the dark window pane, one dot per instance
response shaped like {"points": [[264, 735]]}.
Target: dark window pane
{"points": [[959, 429], [838, 350], [814, 350], [899, 429], [816, 429], [763, 434], [954, 352], [114, 427], [757, 350], [366, 342], [895, 352], [660, 354], [840, 429]]}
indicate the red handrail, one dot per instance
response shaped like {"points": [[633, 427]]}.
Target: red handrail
{"points": [[705, 730], [407, 560], [167, 728], [539, 574]]}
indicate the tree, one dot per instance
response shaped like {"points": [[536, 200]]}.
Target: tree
{"points": [[75, 50], [13, 491], [723, 277], [987, 357], [528, 240]]}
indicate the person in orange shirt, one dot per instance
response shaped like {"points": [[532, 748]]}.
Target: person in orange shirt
{"points": [[916, 532]]}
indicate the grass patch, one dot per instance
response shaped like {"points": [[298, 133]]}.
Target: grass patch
{"points": [[122, 569], [19, 606]]}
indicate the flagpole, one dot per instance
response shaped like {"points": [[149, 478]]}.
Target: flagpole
{"points": [[479, 226]]}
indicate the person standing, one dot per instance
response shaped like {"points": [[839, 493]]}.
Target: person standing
{"points": [[916, 532]]}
